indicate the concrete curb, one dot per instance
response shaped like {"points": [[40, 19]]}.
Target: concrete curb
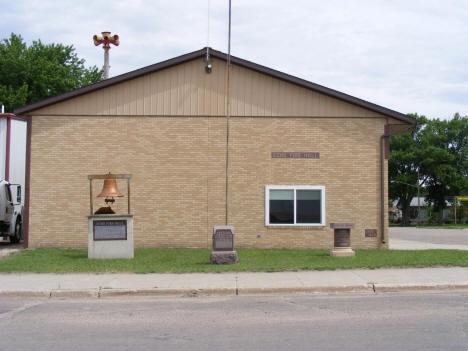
{"points": [[166, 292], [109, 293], [25, 293], [307, 290], [74, 293], [417, 287]]}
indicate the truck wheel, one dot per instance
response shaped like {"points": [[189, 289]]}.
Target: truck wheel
{"points": [[17, 237]]}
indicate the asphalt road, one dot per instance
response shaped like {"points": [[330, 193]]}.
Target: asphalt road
{"points": [[433, 236], [397, 321], [410, 238]]}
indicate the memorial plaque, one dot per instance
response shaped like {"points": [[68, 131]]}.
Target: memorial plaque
{"points": [[223, 239], [342, 238], [370, 233], [110, 230]]}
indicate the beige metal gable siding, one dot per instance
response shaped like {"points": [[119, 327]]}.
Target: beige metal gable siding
{"points": [[186, 90]]}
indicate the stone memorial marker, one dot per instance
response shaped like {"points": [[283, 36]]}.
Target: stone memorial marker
{"points": [[223, 246], [342, 239]]}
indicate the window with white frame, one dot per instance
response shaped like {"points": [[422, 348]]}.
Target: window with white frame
{"points": [[291, 205]]}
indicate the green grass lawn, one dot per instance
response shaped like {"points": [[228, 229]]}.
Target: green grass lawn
{"points": [[444, 226], [434, 226], [198, 260]]}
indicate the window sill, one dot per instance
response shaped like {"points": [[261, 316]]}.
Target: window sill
{"points": [[295, 226]]}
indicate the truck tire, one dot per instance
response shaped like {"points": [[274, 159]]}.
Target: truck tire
{"points": [[17, 235]]}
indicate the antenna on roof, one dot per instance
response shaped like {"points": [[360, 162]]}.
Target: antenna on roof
{"points": [[207, 58]]}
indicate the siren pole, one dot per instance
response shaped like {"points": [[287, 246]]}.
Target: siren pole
{"points": [[106, 39]]}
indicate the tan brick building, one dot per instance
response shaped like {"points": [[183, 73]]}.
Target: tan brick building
{"points": [[301, 156]]}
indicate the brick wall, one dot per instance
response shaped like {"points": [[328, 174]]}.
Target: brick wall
{"points": [[178, 184]]}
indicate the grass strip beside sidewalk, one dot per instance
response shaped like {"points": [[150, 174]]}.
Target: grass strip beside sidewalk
{"points": [[444, 226], [198, 260], [431, 226]]}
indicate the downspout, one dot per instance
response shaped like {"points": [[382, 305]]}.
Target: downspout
{"points": [[384, 139]]}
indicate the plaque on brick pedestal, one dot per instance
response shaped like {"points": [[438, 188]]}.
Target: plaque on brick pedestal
{"points": [[110, 236], [223, 246], [342, 239]]}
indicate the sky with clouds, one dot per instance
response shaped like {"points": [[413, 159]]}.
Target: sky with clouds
{"points": [[407, 55]]}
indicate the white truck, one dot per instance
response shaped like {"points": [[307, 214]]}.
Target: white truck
{"points": [[11, 212], [12, 176]]}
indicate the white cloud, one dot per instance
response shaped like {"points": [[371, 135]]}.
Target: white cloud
{"points": [[408, 56]]}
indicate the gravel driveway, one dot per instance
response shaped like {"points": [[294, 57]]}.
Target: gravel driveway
{"points": [[7, 249], [410, 238]]}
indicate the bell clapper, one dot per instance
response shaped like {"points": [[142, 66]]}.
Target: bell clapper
{"points": [[111, 200]]}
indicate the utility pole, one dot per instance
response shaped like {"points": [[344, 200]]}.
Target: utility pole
{"points": [[455, 209], [419, 205], [106, 39]]}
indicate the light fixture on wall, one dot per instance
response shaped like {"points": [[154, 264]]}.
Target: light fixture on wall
{"points": [[208, 66]]}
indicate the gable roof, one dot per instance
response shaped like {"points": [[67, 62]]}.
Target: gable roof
{"points": [[222, 56]]}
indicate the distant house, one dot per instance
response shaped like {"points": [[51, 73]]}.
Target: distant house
{"points": [[414, 208], [395, 213], [300, 156]]}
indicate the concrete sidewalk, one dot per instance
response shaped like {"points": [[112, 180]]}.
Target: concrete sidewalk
{"points": [[242, 283]]}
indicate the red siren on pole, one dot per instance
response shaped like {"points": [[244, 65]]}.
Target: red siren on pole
{"points": [[106, 39]]}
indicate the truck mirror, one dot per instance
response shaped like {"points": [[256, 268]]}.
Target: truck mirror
{"points": [[18, 194]]}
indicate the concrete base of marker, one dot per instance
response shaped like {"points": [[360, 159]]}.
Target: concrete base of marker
{"points": [[342, 252], [224, 257], [103, 249]]}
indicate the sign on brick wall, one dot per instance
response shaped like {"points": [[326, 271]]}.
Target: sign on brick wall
{"points": [[314, 155]]}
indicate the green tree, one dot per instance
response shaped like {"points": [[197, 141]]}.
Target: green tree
{"points": [[446, 160], [30, 74], [435, 156], [404, 166]]}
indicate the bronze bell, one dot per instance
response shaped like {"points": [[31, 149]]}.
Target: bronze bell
{"points": [[110, 190]]}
